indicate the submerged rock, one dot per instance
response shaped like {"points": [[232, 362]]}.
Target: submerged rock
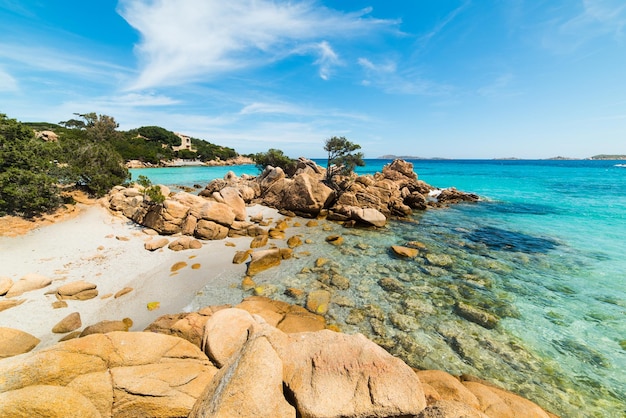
{"points": [[318, 301], [404, 251], [480, 317], [263, 260]]}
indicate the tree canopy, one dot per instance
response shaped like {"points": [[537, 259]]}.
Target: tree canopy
{"points": [[275, 158], [89, 154], [26, 187], [342, 158], [33, 172]]}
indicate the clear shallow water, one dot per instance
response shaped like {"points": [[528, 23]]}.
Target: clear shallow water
{"points": [[544, 252]]}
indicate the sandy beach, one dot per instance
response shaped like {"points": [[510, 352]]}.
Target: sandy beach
{"points": [[108, 251]]}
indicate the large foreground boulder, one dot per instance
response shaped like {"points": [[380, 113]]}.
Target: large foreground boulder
{"points": [[253, 369], [121, 374], [364, 379]]}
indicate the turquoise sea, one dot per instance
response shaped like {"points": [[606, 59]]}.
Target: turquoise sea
{"points": [[544, 251]]}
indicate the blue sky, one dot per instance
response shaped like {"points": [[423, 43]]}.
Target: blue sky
{"points": [[430, 78]]}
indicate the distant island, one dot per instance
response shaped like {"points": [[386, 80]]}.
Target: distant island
{"points": [[595, 157], [406, 157], [608, 157]]}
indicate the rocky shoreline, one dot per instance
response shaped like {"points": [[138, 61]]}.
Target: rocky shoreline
{"points": [[219, 210], [239, 160], [261, 357]]}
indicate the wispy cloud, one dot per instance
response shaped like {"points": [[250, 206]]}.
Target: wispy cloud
{"points": [[269, 108], [327, 59], [499, 87], [201, 39], [141, 100], [388, 67], [15, 7], [596, 19], [57, 61], [440, 26], [391, 79], [7, 82]]}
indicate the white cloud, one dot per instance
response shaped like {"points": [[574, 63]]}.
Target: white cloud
{"points": [[388, 77], [51, 60], [327, 59], [7, 82], [266, 108], [597, 19], [138, 100], [199, 39], [387, 67]]}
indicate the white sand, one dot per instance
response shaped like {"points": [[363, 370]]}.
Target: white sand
{"points": [[86, 248]]}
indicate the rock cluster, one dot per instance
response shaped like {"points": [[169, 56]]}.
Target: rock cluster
{"points": [[220, 209], [368, 199], [242, 361], [216, 217]]}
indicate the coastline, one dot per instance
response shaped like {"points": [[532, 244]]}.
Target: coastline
{"points": [[240, 160], [97, 247], [493, 212]]}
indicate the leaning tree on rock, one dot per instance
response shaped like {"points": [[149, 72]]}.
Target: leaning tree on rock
{"points": [[342, 158]]}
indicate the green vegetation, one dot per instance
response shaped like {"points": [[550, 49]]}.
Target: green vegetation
{"points": [[133, 147], [609, 157], [206, 151], [33, 173], [152, 192], [275, 158], [158, 135], [342, 158], [89, 154], [26, 187], [151, 144]]}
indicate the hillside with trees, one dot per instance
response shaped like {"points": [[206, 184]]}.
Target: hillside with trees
{"points": [[87, 152]]}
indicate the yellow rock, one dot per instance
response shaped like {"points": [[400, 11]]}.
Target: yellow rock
{"points": [[281, 225], [317, 301], [153, 305], [294, 241], [321, 262], [241, 256], [123, 292], [334, 239], [247, 283], [178, 266], [404, 251]]}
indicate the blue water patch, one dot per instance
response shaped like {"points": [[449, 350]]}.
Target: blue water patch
{"points": [[506, 240], [523, 208], [543, 253]]}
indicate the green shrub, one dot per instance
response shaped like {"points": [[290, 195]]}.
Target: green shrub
{"points": [[275, 158]]}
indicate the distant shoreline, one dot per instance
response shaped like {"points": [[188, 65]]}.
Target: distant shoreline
{"points": [[601, 157], [240, 160]]}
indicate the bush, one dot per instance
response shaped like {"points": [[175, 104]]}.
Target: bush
{"points": [[152, 192], [27, 193], [26, 186], [94, 166], [275, 158]]}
